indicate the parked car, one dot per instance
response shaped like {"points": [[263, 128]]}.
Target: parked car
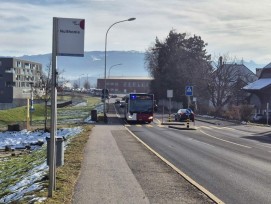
{"points": [[257, 118], [184, 114], [122, 104], [263, 119], [114, 96]]}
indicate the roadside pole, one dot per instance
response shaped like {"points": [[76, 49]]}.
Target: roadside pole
{"points": [[52, 167], [169, 96], [267, 113], [27, 115]]}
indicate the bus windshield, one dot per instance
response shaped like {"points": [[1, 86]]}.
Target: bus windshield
{"points": [[141, 106]]}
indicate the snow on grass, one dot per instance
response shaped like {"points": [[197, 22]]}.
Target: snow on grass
{"points": [[30, 181]]}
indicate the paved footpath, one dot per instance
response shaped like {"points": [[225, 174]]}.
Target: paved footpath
{"points": [[117, 168]]}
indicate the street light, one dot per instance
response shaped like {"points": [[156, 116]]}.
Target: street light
{"points": [[130, 19], [111, 68], [80, 81]]}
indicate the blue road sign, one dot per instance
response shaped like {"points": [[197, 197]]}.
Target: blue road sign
{"points": [[189, 90]]}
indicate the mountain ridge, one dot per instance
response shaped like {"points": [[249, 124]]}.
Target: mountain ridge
{"points": [[91, 66]]}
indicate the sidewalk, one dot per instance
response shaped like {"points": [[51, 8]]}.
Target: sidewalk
{"points": [[105, 176], [117, 168]]}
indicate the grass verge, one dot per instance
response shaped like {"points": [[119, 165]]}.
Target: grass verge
{"points": [[66, 175]]}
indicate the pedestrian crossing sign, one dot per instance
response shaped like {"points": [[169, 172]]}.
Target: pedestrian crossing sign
{"points": [[189, 90]]}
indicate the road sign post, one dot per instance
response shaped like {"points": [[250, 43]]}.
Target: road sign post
{"points": [[188, 93], [169, 95]]}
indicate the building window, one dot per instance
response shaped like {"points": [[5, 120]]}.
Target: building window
{"points": [[10, 84], [19, 64], [27, 65]]}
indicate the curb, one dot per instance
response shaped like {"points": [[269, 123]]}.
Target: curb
{"points": [[180, 128]]}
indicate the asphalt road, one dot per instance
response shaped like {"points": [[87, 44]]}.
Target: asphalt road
{"points": [[232, 161]]}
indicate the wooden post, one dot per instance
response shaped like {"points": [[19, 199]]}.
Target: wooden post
{"points": [[27, 115]]}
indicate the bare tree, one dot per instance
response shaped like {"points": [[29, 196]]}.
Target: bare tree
{"points": [[226, 82], [86, 85], [75, 85]]}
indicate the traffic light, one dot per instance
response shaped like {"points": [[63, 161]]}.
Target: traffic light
{"points": [[105, 93]]}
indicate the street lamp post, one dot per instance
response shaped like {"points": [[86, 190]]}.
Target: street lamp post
{"points": [[111, 68], [130, 19], [80, 81]]}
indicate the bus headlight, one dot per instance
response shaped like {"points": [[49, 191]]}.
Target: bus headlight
{"points": [[150, 118], [130, 116]]}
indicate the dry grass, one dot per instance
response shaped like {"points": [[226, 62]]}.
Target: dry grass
{"points": [[68, 173]]}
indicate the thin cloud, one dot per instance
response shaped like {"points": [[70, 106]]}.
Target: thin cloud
{"points": [[227, 26]]}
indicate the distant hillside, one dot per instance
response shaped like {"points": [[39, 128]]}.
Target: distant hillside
{"points": [[92, 64]]}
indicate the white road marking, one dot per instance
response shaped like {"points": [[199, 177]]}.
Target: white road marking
{"points": [[204, 143], [264, 145], [224, 140], [185, 176]]}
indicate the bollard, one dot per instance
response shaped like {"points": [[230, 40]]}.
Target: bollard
{"points": [[187, 123], [169, 118]]}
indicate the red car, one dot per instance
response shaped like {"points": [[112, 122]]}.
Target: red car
{"points": [[184, 114]]}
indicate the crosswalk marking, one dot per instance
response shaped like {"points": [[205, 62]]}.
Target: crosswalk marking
{"points": [[145, 125]]}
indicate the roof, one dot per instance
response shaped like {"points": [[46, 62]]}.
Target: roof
{"points": [[259, 84], [268, 66], [239, 71], [130, 78]]}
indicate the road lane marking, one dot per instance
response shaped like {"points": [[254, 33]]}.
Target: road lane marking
{"points": [[207, 127], [264, 145], [185, 176], [220, 128], [224, 140], [204, 143]]}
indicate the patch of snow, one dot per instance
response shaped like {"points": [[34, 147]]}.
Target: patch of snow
{"points": [[30, 181]]}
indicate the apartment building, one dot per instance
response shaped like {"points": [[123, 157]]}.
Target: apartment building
{"points": [[16, 78]]}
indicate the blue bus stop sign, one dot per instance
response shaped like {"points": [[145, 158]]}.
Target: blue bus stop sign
{"points": [[189, 90]]}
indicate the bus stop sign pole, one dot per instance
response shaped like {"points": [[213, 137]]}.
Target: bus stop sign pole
{"points": [[52, 167]]}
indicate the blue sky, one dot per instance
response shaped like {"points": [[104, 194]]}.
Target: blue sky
{"points": [[239, 28]]}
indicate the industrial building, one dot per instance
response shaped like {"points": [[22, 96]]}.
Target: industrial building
{"points": [[125, 84]]}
